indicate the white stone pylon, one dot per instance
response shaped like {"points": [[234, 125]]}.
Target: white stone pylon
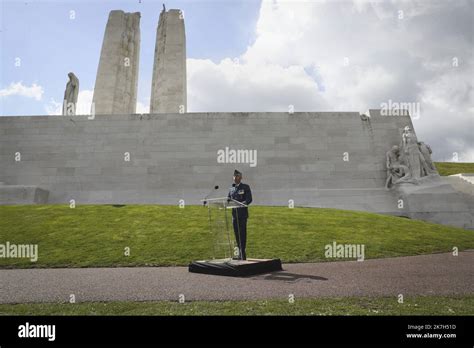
{"points": [[168, 88], [116, 83]]}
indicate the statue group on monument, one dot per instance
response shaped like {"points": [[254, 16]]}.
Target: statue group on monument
{"points": [[409, 161]]}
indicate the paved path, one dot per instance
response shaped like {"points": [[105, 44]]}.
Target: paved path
{"points": [[438, 274]]}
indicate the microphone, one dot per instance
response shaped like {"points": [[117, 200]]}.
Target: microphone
{"points": [[204, 202]]}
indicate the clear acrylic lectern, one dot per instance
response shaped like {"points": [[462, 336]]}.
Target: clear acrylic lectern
{"points": [[224, 255], [220, 227]]}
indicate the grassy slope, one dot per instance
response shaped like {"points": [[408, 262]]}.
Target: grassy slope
{"points": [[96, 235], [420, 305], [450, 168]]}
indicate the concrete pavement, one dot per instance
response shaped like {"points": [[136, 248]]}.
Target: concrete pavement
{"points": [[437, 274]]}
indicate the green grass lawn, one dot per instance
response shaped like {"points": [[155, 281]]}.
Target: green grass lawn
{"points": [[97, 235], [450, 168], [419, 305]]}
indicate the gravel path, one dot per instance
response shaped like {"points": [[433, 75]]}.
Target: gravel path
{"points": [[437, 274]]}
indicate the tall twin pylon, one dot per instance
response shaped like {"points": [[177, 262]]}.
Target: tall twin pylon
{"points": [[116, 83], [168, 88]]}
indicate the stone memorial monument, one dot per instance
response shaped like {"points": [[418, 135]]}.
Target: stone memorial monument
{"points": [[313, 159]]}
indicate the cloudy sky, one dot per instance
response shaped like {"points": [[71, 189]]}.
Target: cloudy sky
{"points": [[264, 56]]}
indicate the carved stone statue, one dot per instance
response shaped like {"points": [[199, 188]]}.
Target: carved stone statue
{"points": [[395, 170], [409, 162], [412, 155], [70, 95], [426, 151]]}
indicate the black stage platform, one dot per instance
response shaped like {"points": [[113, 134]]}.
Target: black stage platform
{"points": [[236, 268]]}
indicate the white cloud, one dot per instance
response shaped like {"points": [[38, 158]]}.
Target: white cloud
{"points": [[53, 107], [17, 88], [323, 56], [231, 86], [142, 108], [84, 103]]}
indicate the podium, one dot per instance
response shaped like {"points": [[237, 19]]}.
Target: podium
{"points": [[223, 247]]}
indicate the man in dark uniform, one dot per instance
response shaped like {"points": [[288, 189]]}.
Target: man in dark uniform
{"points": [[241, 193]]}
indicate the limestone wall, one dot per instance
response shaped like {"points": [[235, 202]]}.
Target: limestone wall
{"points": [[300, 157]]}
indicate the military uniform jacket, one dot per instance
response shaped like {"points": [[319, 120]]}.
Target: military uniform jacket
{"points": [[241, 193]]}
